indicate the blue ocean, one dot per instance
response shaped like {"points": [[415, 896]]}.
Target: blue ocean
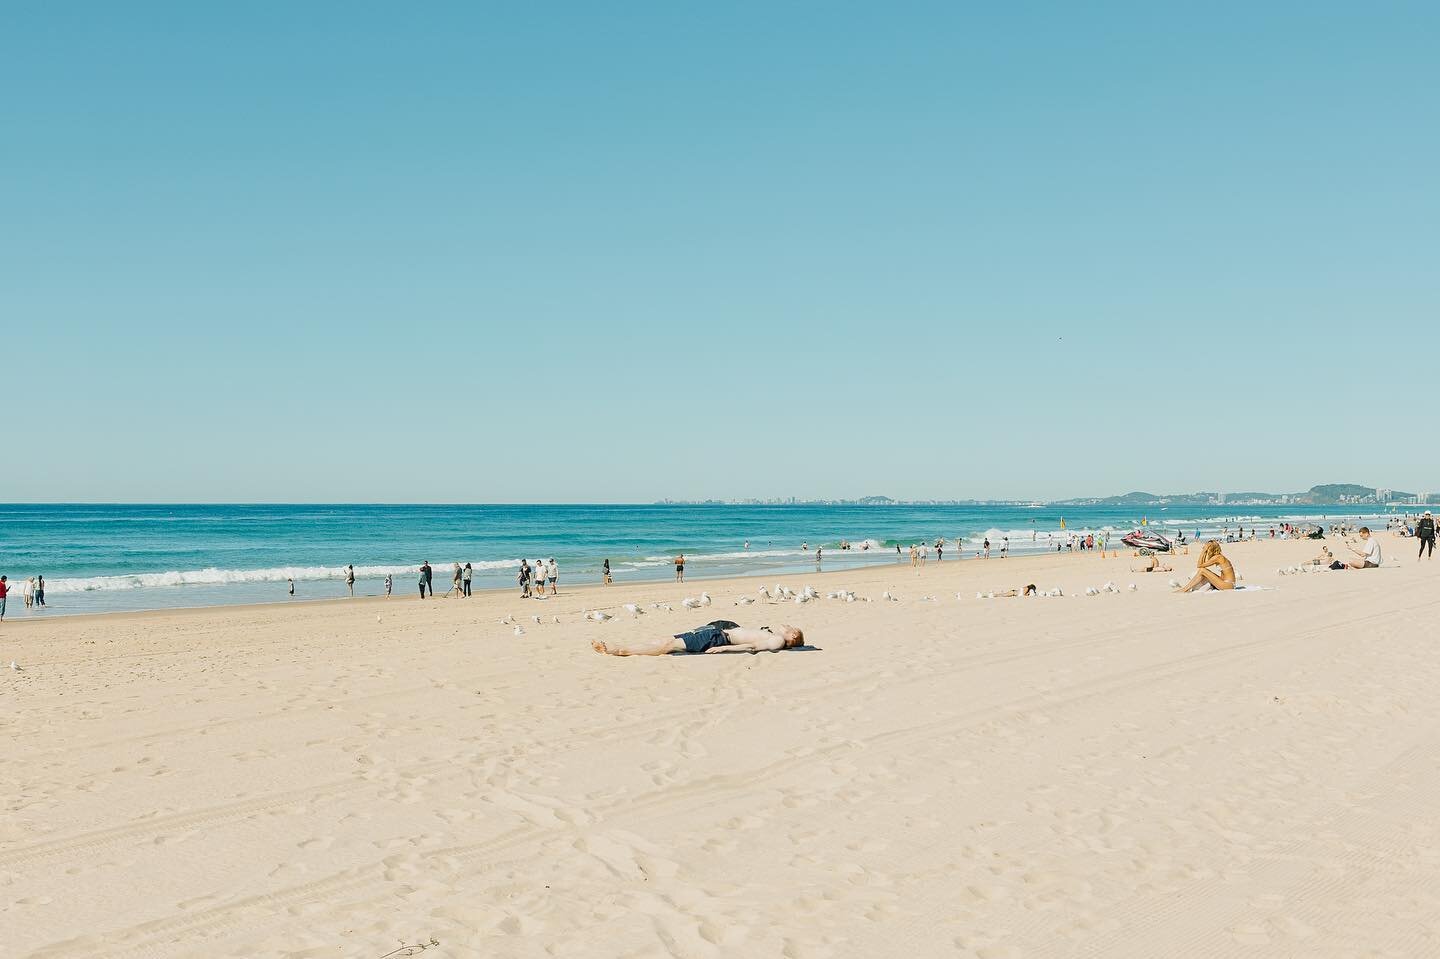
{"points": [[98, 558]]}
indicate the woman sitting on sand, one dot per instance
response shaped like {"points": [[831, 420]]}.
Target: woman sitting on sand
{"points": [[1213, 570]]}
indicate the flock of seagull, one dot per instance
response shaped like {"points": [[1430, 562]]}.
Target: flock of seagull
{"points": [[781, 593]]}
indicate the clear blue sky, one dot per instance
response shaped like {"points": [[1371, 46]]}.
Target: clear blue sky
{"points": [[607, 252]]}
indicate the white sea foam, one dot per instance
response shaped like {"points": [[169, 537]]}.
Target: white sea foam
{"points": [[221, 577]]}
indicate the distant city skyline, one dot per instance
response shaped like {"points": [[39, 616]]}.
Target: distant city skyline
{"points": [[584, 253]]}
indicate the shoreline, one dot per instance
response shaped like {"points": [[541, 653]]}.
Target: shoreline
{"points": [[1061, 567], [1039, 560]]}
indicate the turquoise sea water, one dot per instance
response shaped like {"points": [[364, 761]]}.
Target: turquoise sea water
{"points": [[118, 557]]}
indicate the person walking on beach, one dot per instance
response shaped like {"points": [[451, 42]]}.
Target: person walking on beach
{"points": [[987, 547], [680, 568], [465, 579], [455, 577], [1425, 532], [524, 579], [939, 551], [291, 581], [389, 582], [39, 590], [552, 573], [350, 579], [429, 579], [605, 573]]}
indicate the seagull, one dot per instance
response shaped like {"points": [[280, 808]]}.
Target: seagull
{"points": [[598, 616], [763, 592], [705, 599], [15, 666], [507, 620], [850, 598], [519, 630], [886, 595], [1132, 587], [690, 602], [801, 600], [633, 609], [744, 601], [555, 620], [535, 620]]}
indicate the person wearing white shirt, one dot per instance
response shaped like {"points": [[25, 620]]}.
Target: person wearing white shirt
{"points": [[552, 573], [1369, 551]]}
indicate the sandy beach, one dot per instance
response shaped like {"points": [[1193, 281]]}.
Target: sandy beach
{"points": [[1132, 774]]}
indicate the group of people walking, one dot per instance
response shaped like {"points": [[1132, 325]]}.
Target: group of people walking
{"points": [[460, 578], [32, 592], [534, 578]]}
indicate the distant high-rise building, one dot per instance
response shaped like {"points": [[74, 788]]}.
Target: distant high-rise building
{"points": [[1220, 498], [1383, 495]]}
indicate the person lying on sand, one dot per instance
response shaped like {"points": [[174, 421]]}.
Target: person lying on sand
{"points": [[721, 636], [1153, 565], [1013, 593], [1212, 570], [1323, 558]]}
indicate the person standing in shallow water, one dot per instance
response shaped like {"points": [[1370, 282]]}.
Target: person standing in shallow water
{"points": [[350, 580], [605, 573], [680, 568]]}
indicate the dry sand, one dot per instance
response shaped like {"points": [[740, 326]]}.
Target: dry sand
{"points": [[1143, 774]]}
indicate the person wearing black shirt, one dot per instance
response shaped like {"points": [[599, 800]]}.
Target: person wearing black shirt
{"points": [[1425, 531]]}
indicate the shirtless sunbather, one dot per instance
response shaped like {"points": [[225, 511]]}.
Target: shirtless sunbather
{"points": [[1153, 565], [721, 636]]}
